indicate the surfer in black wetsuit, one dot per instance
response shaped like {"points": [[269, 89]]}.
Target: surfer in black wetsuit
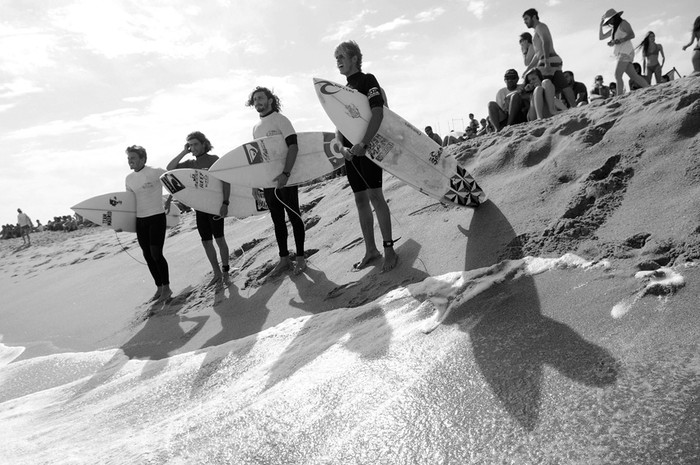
{"points": [[364, 176], [210, 227]]}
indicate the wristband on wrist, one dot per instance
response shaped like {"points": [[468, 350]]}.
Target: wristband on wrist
{"points": [[286, 173], [226, 202]]}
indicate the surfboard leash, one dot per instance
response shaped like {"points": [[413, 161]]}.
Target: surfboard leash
{"points": [[126, 250]]}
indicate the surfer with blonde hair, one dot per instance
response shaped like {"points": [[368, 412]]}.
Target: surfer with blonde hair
{"points": [[364, 176]]}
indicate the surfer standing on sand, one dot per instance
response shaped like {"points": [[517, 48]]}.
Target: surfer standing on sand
{"points": [[364, 176], [144, 182], [210, 227], [281, 198]]}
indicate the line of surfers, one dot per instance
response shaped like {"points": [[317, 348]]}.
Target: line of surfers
{"points": [[364, 177]]}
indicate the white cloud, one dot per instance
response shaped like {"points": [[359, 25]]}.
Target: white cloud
{"points": [[397, 45], [477, 8], [388, 27], [430, 15], [18, 87], [344, 29]]}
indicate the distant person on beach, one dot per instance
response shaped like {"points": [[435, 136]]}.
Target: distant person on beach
{"points": [[210, 227], [282, 198], [25, 226], [632, 84], [526, 47], [578, 88], [544, 103], [545, 59], [695, 35], [364, 176], [145, 183], [507, 109], [613, 89], [599, 91], [650, 57], [432, 135], [621, 34], [473, 126]]}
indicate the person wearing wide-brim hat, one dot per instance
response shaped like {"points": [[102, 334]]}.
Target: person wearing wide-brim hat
{"points": [[621, 34]]}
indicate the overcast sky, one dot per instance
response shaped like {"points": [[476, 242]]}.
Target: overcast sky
{"points": [[82, 80]]}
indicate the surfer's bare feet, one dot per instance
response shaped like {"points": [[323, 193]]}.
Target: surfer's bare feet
{"points": [[390, 256], [284, 265], [216, 279], [300, 265], [156, 296], [367, 259], [165, 293]]}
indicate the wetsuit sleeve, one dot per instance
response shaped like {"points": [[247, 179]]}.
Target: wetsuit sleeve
{"points": [[291, 140], [374, 92]]}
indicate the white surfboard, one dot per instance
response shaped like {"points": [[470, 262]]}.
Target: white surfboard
{"points": [[116, 210], [257, 163], [399, 147], [199, 190]]}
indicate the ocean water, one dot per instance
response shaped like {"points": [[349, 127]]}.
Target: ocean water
{"points": [[415, 377]]}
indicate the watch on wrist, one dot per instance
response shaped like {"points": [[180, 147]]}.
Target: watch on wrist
{"points": [[286, 173], [226, 202]]}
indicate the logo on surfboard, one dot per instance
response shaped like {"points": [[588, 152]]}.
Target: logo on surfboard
{"points": [[331, 147], [113, 201], [254, 153], [107, 217], [172, 183]]}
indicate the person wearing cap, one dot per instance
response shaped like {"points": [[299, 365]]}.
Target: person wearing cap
{"points": [[507, 109], [620, 34], [600, 91], [545, 58]]}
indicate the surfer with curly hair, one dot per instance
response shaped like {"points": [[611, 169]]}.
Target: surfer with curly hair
{"points": [[210, 227], [282, 198]]}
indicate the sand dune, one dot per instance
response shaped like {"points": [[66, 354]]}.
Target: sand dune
{"points": [[556, 323]]}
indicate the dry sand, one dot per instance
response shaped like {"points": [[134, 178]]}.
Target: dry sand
{"points": [[615, 181]]}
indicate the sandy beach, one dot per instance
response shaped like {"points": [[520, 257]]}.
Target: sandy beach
{"points": [[570, 330]]}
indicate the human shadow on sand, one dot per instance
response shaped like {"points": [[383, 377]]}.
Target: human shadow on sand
{"points": [[240, 317], [161, 335], [319, 334], [512, 341]]}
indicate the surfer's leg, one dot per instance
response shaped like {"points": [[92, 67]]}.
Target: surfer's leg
{"points": [[278, 220], [364, 212], [381, 208], [290, 197], [210, 251]]}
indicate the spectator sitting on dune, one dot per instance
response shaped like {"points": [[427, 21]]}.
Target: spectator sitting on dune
{"points": [[508, 107], [600, 91], [544, 103], [579, 89]]}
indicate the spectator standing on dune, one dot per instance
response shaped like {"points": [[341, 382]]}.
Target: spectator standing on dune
{"points": [[695, 35], [620, 34]]}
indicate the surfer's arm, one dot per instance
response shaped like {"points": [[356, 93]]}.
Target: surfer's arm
{"points": [[226, 189], [292, 151], [375, 121], [174, 162]]}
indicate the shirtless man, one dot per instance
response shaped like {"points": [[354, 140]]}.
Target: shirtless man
{"points": [[545, 58]]}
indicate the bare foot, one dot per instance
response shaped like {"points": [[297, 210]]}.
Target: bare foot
{"points": [[390, 259], [165, 294], [216, 279], [284, 265], [300, 266], [368, 258]]}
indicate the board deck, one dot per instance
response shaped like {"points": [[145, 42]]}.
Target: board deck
{"points": [[258, 162], [199, 190], [116, 210], [400, 148]]}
